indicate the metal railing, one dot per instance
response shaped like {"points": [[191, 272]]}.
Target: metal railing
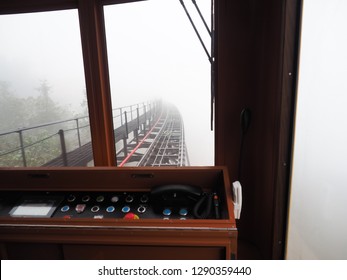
{"points": [[37, 145]]}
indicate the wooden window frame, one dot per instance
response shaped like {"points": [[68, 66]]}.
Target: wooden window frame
{"points": [[93, 40], [257, 46]]}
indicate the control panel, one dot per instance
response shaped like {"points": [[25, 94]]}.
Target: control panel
{"points": [[117, 213], [157, 204]]}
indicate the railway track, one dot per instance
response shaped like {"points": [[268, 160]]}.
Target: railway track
{"points": [[162, 145]]}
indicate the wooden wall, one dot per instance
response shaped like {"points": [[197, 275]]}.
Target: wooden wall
{"points": [[257, 41]]}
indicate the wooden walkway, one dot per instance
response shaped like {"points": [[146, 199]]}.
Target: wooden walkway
{"points": [[84, 154]]}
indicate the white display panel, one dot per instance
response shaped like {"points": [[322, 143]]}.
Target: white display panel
{"points": [[32, 209], [40, 206]]}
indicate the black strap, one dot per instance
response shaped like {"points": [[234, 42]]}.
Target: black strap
{"points": [[203, 207]]}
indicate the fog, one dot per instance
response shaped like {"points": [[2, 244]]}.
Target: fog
{"points": [[153, 52]]}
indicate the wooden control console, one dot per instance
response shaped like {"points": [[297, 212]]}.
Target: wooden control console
{"points": [[116, 213]]}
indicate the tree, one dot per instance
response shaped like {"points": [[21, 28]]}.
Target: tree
{"points": [[11, 108], [42, 109], [26, 112]]}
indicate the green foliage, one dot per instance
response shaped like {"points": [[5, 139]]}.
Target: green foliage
{"points": [[11, 108], [17, 113]]}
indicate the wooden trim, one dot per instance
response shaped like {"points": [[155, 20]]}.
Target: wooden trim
{"points": [[291, 34], [111, 2], [97, 81], [29, 6]]}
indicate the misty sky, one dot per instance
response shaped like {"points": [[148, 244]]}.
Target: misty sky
{"points": [[152, 50]]}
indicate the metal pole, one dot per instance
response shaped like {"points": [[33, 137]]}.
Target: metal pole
{"points": [[150, 113], [22, 148], [126, 124], [138, 125], [125, 144], [201, 16], [144, 125], [196, 31], [63, 147], [138, 118], [78, 133]]}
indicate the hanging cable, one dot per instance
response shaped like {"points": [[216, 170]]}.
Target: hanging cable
{"points": [[211, 57], [201, 16], [196, 31]]}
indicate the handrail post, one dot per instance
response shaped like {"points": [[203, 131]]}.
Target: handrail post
{"points": [[144, 126], [138, 118], [22, 148], [125, 149], [126, 124], [136, 131], [121, 116], [150, 113], [78, 133], [63, 147]]}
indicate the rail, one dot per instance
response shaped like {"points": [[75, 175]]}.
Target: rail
{"points": [[46, 143]]}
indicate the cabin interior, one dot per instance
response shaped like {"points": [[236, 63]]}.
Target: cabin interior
{"points": [[256, 68]]}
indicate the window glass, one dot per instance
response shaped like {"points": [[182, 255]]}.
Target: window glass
{"points": [[43, 109], [156, 61]]}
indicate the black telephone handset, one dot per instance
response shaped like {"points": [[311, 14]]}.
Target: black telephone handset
{"points": [[179, 196]]}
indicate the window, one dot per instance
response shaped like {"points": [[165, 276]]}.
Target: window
{"points": [[152, 57], [155, 55], [43, 110]]}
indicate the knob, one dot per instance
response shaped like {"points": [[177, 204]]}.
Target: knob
{"points": [[65, 208], [86, 198], [183, 212], [71, 198], [167, 212], [110, 209], [95, 209], [126, 209], [129, 198], [141, 209]]}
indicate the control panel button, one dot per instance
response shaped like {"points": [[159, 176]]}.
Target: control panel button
{"points": [[71, 198], [86, 198], [129, 198], [167, 212], [131, 216], [110, 209], [144, 198], [80, 208], [141, 209], [95, 209], [98, 216], [100, 198], [126, 209], [183, 212], [65, 208], [114, 199]]}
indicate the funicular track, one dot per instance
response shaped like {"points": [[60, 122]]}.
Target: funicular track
{"points": [[163, 144], [146, 134]]}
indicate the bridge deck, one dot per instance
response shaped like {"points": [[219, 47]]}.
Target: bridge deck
{"points": [[162, 143]]}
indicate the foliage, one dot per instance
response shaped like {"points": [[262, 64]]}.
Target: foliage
{"points": [[42, 144]]}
